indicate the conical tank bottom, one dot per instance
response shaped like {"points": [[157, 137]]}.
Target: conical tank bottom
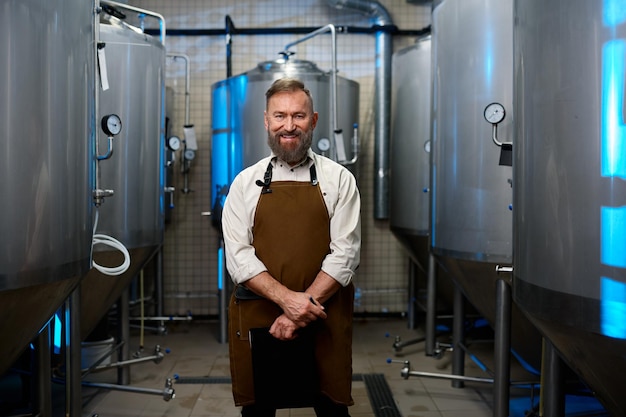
{"points": [[25, 311], [99, 291]]}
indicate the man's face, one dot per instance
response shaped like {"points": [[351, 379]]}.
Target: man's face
{"points": [[289, 121]]}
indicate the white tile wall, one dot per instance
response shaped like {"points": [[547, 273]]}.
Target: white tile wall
{"points": [[190, 246]]}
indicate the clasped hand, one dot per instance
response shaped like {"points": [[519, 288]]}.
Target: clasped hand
{"points": [[298, 311]]}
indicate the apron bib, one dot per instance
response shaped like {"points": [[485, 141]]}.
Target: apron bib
{"points": [[291, 236]]}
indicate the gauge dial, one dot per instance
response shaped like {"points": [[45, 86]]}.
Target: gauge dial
{"points": [[111, 124], [173, 143], [190, 154], [494, 113], [323, 144]]}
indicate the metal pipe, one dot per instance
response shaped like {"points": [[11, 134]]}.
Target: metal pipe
{"points": [[333, 80], [382, 97], [185, 58], [167, 393], [431, 305]]}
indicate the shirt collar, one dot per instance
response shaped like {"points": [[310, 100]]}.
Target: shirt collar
{"points": [[303, 163]]}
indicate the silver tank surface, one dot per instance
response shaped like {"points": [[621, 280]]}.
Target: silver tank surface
{"points": [[471, 191], [136, 72], [47, 72], [570, 189], [135, 214], [410, 147], [243, 98], [472, 224]]}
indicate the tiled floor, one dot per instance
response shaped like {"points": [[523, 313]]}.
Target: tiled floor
{"points": [[196, 352]]}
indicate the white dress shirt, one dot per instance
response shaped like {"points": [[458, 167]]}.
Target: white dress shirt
{"points": [[342, 198]]}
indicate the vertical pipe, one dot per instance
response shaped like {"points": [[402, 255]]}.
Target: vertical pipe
{"points": [[382, 106], [431, 305], [229, 42], [502, 358], [458, 337], [382, 98]]}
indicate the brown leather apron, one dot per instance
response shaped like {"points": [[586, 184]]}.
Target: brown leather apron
{"points": [[292, 236]]}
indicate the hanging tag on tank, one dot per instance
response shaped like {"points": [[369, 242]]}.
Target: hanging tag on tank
{"points": [[339, 146], [102, 67], [506, 154]]}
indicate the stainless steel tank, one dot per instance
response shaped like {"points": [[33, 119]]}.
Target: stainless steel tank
{"points": [[134, 215], [570, 192], [409, 182], [238, 131], [47, 72], [472, 224]]}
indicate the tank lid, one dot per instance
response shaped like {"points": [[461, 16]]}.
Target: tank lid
{"points": [[288, 66]]}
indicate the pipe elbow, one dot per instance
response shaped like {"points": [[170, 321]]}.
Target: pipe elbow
{"points": [[372, 9]]}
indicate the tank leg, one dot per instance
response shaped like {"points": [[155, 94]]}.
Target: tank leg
{"points": [[44, 373], [458, 337], [73, 353], [431, 306], [123, 317], [502, 349], [411, 313], [553, 387]]}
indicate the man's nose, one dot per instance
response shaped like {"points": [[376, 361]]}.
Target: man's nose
{"points": [[290, 125]]}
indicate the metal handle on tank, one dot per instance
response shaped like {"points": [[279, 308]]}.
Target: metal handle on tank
{"points": [[142, 11]]}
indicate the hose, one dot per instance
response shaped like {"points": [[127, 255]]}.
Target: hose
{"points": [[102, 239]]}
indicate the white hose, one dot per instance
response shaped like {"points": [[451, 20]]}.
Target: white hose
{"points": [[114, 243]]}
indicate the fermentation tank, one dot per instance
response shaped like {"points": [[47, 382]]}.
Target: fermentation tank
{"points": [[410, 148], [570, 184], [239, 135], [134, 215], [47, 72], [472, 225]]}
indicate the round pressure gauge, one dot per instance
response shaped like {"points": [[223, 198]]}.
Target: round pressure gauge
{"points": [[173, 143], [190, 154], [494, 113], [323, 144], [111, 124]]}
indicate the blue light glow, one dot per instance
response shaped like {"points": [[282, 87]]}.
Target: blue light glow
{"points": [[613, 238], [613, 308], [613, 158], [614, 12], [220, 268], [58, 329]]}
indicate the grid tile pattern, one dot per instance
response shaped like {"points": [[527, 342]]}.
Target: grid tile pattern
{"points": [[191, 243]]}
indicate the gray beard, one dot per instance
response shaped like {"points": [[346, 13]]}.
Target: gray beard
{"points": [[291, 156]]}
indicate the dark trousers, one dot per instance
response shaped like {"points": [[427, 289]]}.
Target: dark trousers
{"points": [[323, 407]]}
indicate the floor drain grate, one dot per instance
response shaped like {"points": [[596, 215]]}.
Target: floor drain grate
{"points": [[378, 391], [380, 396]]}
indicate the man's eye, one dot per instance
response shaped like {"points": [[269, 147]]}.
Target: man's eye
{"points": [[279, 117]]}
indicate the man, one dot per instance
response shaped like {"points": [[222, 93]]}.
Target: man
{"points": [[292, 231]]}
